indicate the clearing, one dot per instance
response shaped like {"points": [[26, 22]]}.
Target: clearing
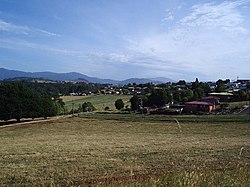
{"points": [[99, 101]]}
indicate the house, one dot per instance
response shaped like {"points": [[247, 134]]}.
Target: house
{"points": [[224, 96], [199, 106], [212, 99]]}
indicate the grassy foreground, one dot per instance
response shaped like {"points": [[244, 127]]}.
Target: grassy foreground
{"points": [[166, 118], [83, 152]]}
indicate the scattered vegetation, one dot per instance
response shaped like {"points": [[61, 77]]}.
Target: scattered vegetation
{"points": [[100, 102]]}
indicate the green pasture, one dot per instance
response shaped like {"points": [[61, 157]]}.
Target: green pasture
{"points": [[99, 101]]}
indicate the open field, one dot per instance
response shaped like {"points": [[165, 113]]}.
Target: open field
{"points": [[165, 118], [80, 151], [238, 104], [99, 101]]}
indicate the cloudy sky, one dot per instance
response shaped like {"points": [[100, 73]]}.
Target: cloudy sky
{"points": [[120, 39]]}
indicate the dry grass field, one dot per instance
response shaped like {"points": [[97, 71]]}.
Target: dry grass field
{"points": [[84, 152]]}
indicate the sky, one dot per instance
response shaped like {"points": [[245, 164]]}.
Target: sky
{"points": [[120, 39]]}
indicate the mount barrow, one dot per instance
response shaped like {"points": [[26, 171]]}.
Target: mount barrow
{"points": [[74, 76]]}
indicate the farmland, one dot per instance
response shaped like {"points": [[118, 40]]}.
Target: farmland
{"points": [[99, 101], [111, 152]]}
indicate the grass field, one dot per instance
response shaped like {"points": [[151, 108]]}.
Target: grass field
{"points": [[239, 104], [99, 101], [83, 152], [166, 118]]}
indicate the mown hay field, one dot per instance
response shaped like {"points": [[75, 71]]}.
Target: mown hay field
{"points": [[98, 101], [83, 152]]}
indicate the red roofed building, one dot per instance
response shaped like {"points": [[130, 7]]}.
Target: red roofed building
{"points": [[212, 99], [199, 106]]}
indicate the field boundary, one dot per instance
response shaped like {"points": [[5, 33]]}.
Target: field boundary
{"points": [[30, 121]]}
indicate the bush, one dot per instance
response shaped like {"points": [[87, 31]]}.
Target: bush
{"points": [[224, 105], [88, 107], [119, 104]]}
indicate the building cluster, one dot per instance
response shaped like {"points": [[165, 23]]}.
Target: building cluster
{"points": [[206, 104]]}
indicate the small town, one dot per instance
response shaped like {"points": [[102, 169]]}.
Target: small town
{"points": [[184, 98]]}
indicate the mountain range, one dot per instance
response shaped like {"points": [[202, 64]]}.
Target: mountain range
{"points": [[74, 76]]}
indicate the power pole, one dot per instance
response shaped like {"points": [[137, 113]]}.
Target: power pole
{"points": [[249, 103], [141, 107]]}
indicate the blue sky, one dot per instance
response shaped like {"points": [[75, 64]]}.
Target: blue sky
{"points": [[120, 39]]}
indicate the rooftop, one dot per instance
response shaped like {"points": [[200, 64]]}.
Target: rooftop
{"points": [[221, 94], [198, 103]]}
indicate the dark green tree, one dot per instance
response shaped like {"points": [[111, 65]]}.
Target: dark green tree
{"points": [[137, 100], [88, 107], [181, 82], [134, 103], [48, 107], [159, 98], [119, 104], [19, 101], [220, 86]]}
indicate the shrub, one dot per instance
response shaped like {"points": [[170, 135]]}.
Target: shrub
{"points": [[88, 107], [119, 104]]}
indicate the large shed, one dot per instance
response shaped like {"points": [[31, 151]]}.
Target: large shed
{"points": [[224, 96]]}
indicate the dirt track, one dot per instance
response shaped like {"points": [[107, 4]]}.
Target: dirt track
{"points": [[30, 121]]}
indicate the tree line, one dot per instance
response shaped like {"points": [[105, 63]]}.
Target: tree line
{"points": [[64, 88], [19, 101]]}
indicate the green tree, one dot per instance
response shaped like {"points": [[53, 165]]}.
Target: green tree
{"points": [[119, 104], [195, 84], [159, 98], [88, 107], [134, 103], [241, 95], [19, 101], [220, 86], [48, 107], [137, 100], [181, 82]]}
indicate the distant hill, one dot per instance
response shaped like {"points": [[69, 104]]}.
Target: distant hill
{"points": [[74, 76], [139, 81], [29, 79], [162, 79]]}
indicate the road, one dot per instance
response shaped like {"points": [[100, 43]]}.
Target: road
{"points": [[246, 111]]}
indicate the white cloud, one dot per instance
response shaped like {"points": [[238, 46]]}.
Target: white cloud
{"points": [[207, 41], [94, 56], [169, 16], [18, 44], [210, 40], [5, 26], [47, 32], [224, 15], [20, 29]]}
